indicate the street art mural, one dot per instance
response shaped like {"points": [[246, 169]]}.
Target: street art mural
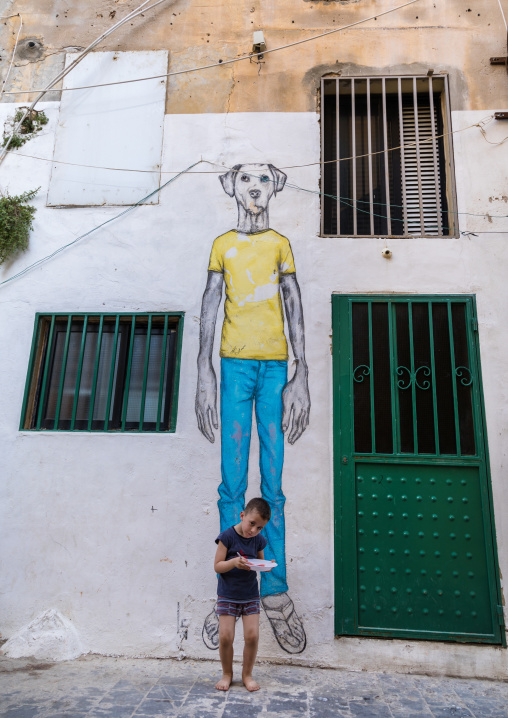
{"points": [[256, 265]]}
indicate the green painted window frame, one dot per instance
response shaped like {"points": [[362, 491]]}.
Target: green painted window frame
{"points": [[105, 377]]}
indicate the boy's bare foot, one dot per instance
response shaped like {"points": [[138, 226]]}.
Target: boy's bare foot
{"points": [[250, 683], [224, 683]]}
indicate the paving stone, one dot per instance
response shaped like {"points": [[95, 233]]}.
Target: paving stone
{"points": [[370, 709], [451, 711], [156, 708], [122, 688], [235, 710], [21, 711]]}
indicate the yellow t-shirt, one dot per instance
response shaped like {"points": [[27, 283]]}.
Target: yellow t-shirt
{"points": [[253, 321]]}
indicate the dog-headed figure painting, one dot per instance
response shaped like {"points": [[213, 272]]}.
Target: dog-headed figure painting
{"points": [[255, 264]]}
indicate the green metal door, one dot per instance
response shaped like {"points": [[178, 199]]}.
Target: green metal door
{"points": [[415, 540]]}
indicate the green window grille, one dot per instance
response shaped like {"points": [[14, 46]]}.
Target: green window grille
{"points": [[103, 372]]}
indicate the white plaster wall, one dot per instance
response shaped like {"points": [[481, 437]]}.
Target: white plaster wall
{"points": [[76, 528]]}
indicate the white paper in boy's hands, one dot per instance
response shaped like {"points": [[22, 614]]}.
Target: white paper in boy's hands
{"points": [[260, 564]]}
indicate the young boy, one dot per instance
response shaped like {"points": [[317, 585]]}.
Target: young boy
{"points": [[238, 592]]}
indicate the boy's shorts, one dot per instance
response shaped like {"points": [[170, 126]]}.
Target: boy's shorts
{"points": [[225, 607]]}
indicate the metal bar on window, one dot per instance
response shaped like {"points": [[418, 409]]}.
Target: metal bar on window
{"points": [[369, 152], [402, 158], [371, 383], [176, 373], [387, 206], [353, 154], [337, 152], [78, 377], [393, 366], [453, 378], [128, 373], [112, 373], [433, 371], [475, 401], [452, 220], [437, 186], [30, 377], [413, 377], [62, 372], [42, 396], [163, 367], [418, 157], [145, 372], [95, 372]]}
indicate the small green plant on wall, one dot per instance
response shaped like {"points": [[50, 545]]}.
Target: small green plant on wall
{"points": [[31, 125], [16, 221]]}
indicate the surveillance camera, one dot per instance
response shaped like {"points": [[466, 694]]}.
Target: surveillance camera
{"points": [[387, 253]]}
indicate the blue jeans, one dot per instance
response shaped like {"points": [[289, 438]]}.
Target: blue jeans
{"points": [[245, 382]]}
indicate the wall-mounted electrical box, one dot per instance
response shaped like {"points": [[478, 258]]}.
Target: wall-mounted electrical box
{"points": [[258, 42]]}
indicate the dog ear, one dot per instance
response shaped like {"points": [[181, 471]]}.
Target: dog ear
{"points": [[228, 180], [280, 178]]}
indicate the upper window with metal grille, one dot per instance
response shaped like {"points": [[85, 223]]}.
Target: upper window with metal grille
{"points": [[386, 157]]}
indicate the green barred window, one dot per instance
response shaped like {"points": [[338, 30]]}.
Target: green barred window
{"points": [[103, 372]]}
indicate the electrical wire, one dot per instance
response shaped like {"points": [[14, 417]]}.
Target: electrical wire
{"points": [[342, 159], [504, 16], [73, 64], [485, 120], [482, 125], [343, 200], [94, 229], [228, 62], [13, 52]]}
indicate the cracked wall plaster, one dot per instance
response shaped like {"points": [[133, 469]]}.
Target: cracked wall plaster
{"points": [[434, 36]]}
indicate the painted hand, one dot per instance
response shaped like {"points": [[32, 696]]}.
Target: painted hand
{"points": [[296, 406], [206, 401]]}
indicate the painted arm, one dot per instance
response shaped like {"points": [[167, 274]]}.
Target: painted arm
{"points": [[295, 397], [206, 393]]}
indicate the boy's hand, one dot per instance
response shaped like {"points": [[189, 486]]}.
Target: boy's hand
{"points": [[240, 562]]}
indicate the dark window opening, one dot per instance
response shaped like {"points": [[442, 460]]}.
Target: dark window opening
{"points": [[386, 158], [103, 373]]}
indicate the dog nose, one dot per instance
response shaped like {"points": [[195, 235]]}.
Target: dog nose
{"points": [[255, 193]]}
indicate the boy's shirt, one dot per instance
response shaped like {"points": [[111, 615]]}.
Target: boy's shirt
{"points": [[251, 265], [239, 585]]}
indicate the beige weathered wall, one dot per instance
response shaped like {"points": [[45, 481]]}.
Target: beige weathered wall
{"points": [[456, 36]]}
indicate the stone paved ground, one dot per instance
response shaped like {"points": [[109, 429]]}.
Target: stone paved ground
{"points": [[121, 688]]}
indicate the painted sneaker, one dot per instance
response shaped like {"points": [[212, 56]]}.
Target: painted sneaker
{"points": [[211, 631], [286, 625]]}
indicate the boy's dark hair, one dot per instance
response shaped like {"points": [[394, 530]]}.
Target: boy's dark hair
{"points": [[261, 506]]}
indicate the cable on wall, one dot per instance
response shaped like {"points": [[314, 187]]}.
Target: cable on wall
{"points": [[226, 62], [504, 16], [343, 200], [94, 229], [73, 64], [480, 124], [13, 52]]}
